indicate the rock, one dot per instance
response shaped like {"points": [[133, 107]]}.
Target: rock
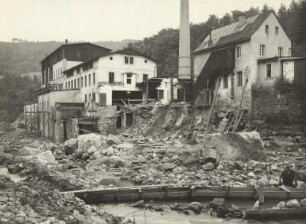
{"points": [[166, 166], [96, 154], [281, 205], [70, 146], [46, 157], [125, 145], [217, 203], [113, 140], [109, 151], [191, 161], [88, 140], [238, 165], [301, 175], [92, 150], [138, 204], [178, 170], [256, 205], [251, 175], [208, 166], [113, 161], [303, 202], [294, 203], [196, 207]]}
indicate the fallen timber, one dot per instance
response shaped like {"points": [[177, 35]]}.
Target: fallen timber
{"points": [[272, 213], [172, 193]]}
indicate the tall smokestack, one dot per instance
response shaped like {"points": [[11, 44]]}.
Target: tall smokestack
{"points": [[184, 47]]}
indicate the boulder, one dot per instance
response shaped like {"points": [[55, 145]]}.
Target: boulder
{"points": [[166, 166], [281, 205], [178, 170], [113, 139], [196, 207], [92, 150], [46, 157], [303, 202], [294, 203], [208, 166], [217, 203], [88, 140]]}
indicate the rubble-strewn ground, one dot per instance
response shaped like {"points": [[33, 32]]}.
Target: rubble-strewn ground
{"points": [[34, 171]]}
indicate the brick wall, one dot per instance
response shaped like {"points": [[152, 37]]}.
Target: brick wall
{"points": [[276, 107]]}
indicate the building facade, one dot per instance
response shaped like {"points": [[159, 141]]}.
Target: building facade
{"points": [[231, 53]]}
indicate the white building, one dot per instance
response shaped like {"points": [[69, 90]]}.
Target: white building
{"points": [[111, 78], [233, 52]]}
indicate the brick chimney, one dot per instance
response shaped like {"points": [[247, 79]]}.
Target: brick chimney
{"points": [[184, 71]]}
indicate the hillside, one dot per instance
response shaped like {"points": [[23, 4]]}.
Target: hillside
{"points": [[24, 57]]}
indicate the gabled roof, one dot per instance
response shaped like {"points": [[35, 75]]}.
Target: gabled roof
{"points": [[127, 51], [74, 44], [233, 33]]}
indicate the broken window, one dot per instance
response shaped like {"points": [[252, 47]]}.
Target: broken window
{"points": [[280, 51], [262, 49], [267, 29], [238, 52], [111, 77], [225, 82], [269, 71], [129, 78], [160, 94], [239, 80]]}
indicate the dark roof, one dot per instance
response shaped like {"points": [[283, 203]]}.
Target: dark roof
{"points": [[73, 44], [127, 51], [233, 33]]}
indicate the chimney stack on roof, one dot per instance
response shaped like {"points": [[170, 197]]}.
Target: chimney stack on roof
{"points": [[66, 41], [241, 20]]}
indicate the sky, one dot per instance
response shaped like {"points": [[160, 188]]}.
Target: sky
{"points": [[106, 20]]}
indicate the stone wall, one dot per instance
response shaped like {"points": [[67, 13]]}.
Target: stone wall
{"points": [[274, 106]]}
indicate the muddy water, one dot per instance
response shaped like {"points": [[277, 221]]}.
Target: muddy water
{"points": [[172, 217]]}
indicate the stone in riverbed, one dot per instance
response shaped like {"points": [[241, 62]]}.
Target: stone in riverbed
{"points": [[303, 202], [294, 203], [166, 166], [196, 207], [208, 166]]}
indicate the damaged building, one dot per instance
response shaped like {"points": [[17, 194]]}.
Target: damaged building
{"points": [[234, 60]]}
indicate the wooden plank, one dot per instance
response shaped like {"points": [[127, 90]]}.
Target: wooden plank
{"points": [[276, 213]]}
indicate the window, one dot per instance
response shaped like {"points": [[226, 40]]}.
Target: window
{"points": [[225, 82], [71, 84], [129, 78], [280, 51], [78, 71], [131, 60], [239, 80], [276, 30], [78, 83], [145, 77], [262, 49], [238, 52], [146, 61], [267, 29], [85, 98], [85, 80], [75, 84], [111, 77], [160, 94], [93, 97], [269, 72], [110, 58], [66, 85], [126, 60], [81, 81], [89, 79], [93, 78]]}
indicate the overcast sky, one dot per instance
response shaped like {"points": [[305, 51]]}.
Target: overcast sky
{"points": [[102, 20]]}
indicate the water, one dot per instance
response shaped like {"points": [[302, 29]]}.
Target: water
{"points": [[172, 217]]}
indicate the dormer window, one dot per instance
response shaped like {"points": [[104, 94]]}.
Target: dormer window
{"points": [[267, 29]]}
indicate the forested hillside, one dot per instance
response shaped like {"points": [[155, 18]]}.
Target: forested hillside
{"points": [[163, 46]]}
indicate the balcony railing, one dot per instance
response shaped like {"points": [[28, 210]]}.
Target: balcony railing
{"points": [[100, 84]]}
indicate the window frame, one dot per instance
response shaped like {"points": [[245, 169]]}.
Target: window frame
{"points": [[239, 78], [238, 52], [262, 49], [280, 51], [111, 77], [269, 70], [276, 30], [267, 28], [129, 78], [89, 79]]}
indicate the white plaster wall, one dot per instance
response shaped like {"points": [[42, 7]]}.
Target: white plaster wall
{"points": [[62, 65], [288, 70], [165, 85]]}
